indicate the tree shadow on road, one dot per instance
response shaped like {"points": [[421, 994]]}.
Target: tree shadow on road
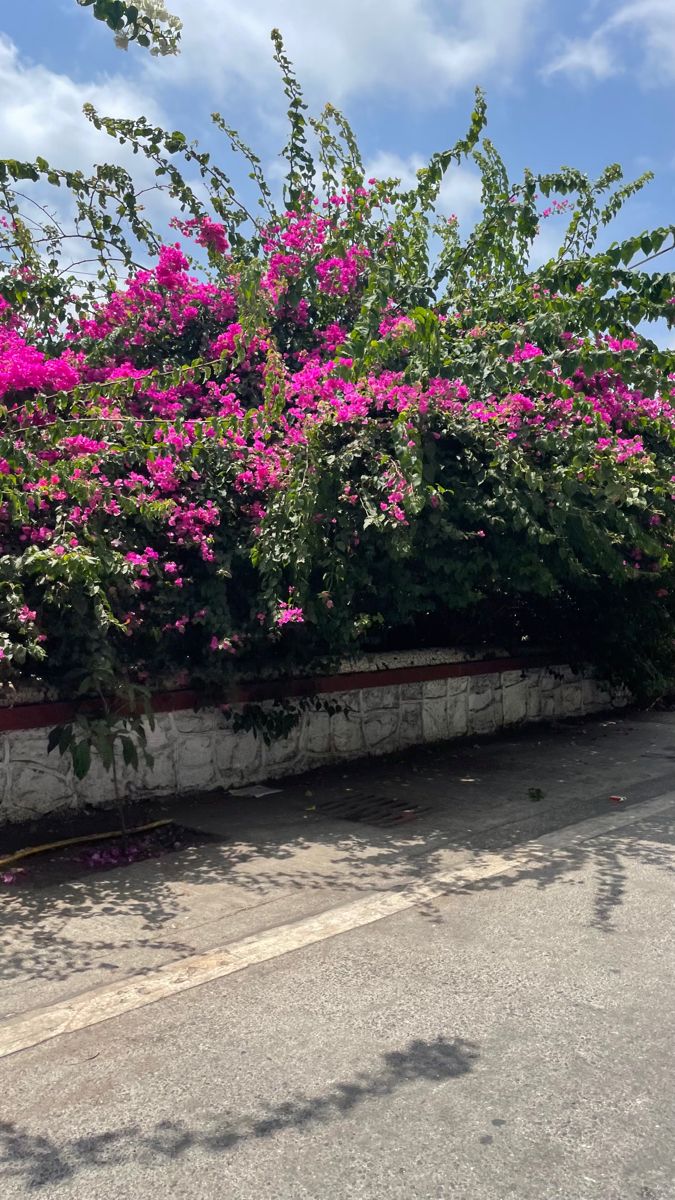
{"points": [[605, 859], [282, 846], [40, 1162]]}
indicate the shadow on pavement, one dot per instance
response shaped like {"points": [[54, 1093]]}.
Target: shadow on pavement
{"points": [[271, 846], [34, 927], [39, 1161]]}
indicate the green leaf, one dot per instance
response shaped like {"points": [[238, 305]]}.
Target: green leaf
{"points": [[54, 739], [129, 752], [65, 737], [81, 756]]}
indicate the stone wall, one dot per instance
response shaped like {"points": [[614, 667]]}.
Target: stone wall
{"points": [[199, 751]]}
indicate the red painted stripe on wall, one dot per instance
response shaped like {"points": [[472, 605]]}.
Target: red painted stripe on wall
{"points": [[50, 713]]}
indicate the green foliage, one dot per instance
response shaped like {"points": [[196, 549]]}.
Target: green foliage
{"points": [[114, 727], [376, 428], [275, 719], [146, 22]]}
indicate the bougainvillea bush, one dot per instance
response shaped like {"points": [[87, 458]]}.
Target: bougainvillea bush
{"points": [[288, 431]]}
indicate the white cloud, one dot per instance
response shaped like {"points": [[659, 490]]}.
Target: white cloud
{"points": [[425, 48], [638, 35], [585, 58], [41, 112], [652, 23], [460, 192]]}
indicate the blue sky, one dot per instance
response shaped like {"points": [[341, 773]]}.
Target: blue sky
{"points": [[577, 82]]}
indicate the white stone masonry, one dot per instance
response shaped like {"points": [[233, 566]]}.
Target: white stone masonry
{"points": [[199, 751]]}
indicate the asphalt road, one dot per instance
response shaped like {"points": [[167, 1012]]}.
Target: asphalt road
{"points": [[508, 1034]]}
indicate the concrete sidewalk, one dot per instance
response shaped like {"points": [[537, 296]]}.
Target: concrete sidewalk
{"points": [[287, 856], [474, 1003]]}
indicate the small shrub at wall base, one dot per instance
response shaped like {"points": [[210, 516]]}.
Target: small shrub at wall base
{"points": [[339, 422], [118, 726]]}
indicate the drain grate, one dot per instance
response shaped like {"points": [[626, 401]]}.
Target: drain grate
{"points": [[372, 810]]}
